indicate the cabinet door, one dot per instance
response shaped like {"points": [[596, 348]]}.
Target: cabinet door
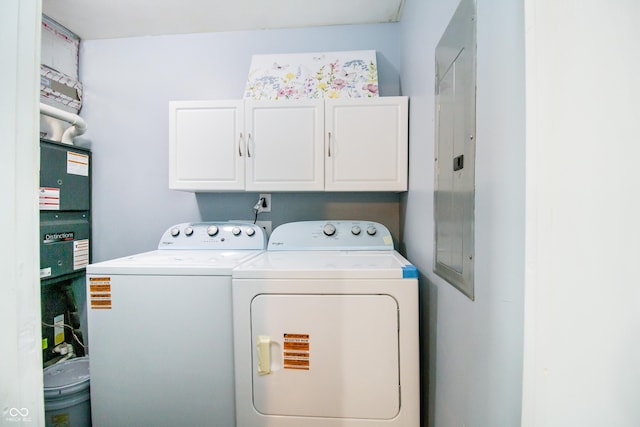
{"points": [[206, 145], [366, 143], [284, 145]]}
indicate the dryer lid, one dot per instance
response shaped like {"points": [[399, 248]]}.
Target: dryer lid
{"points": [[327, 265]]}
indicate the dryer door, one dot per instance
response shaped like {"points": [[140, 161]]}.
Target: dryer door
{"points": [[330, 356]]}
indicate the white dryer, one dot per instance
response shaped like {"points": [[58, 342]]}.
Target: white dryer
{"points": [[326, 329], [160, 328]]}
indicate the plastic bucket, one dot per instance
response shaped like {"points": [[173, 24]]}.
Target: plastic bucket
{"points": [[66, 394]]}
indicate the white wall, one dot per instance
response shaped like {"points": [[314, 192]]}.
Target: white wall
{"points": [[128, 83], [583, 300], [21, 398], [474, 348]]}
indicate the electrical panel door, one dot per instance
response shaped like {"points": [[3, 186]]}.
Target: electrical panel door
{"points": [[454, 199]]}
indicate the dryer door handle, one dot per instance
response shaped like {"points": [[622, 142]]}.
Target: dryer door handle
{"points": [[263, 346]]}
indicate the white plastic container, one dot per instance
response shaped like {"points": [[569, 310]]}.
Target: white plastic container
{"points": [[66, 394]]}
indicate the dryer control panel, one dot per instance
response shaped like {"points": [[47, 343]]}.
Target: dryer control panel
{"points": [[331, 235], [214, 235]]}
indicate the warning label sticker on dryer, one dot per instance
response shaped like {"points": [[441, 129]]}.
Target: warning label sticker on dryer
{"points": [[100, 292], [296, 351]]}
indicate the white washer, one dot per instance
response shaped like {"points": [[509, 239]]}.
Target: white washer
{"points": [[326, 329], [160, 328]]}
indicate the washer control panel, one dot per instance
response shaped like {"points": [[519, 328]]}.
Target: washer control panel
{"points": [[214, 235], [331, 235]]}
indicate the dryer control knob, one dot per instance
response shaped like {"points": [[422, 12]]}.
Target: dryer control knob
{"points": [[188, 231], [329, 229], [175, 232], [250, 231], [212, 230], [371, 230], [236, 231], [355, 230]]}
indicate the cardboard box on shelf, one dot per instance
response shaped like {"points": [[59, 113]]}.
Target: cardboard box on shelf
{"points": [[60, 48]]}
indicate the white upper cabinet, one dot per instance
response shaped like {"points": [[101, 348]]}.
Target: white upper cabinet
{"points": [[289, 145], [284, 145], [206, 145], [366, 144]]}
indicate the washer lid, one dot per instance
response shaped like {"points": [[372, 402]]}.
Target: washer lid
{"points": [[327, 264], [175, 262]]}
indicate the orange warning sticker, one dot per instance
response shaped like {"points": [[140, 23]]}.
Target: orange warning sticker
{"points": [[101, 304], [100, 284], [296, 354], [96, 295], [100, 292]]}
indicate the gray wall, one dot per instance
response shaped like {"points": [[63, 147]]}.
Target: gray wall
{"points": [[127, 86], [474, 350]]}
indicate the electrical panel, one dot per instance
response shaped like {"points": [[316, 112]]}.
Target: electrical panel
{"points": [[454, 199]]}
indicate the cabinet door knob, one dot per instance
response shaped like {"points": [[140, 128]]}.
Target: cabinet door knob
{"points": [[329, 144], [240, 141], [249, 142]]}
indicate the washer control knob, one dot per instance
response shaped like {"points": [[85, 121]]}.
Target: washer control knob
{"points": [[355, 230], [329, 230], [371, 230], [212, 230], [175, 231], [188, 231], [236, 231], [250, 232]]}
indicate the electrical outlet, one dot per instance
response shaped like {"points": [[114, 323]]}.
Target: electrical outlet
{"points": [[267, 199], [266, 226]]}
